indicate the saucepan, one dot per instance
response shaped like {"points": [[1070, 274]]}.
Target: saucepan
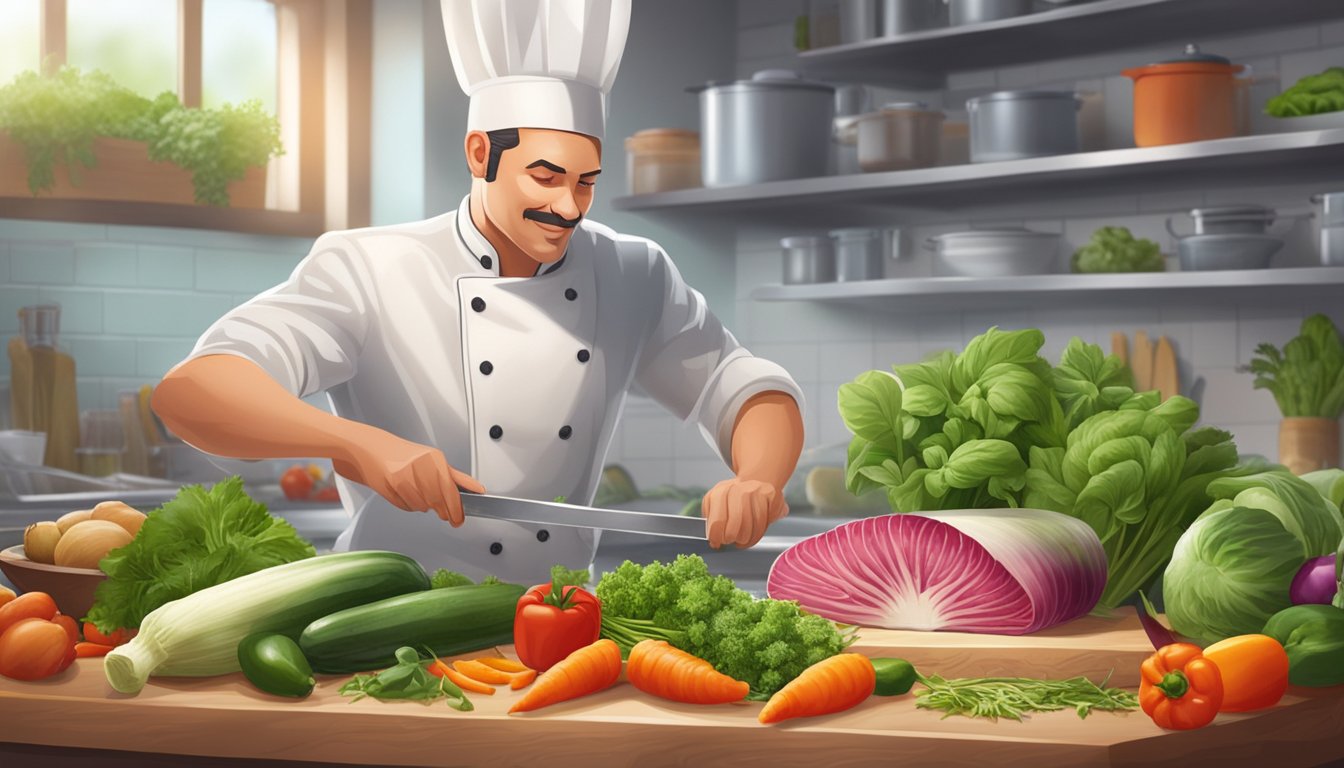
{"points": [[997, 252]]}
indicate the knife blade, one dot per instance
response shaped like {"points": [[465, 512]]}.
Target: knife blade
{"points": [[573, 515]]}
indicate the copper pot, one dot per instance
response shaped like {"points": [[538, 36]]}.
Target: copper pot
{"points": [[1191, 98]]}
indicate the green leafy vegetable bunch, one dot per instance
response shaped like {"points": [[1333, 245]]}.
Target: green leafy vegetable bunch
{"points": [[1312, 95], [198, 539], [56, 117], [1307, 376], [1115, 249], [766, 643]]}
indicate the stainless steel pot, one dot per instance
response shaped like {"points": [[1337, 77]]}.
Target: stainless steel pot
{"points": [[774, 126], [858, 253], [858, 20], [1332, 246], [1229, 220], [808, 259], [901, 17], [1012, 125], [979, 11], [997, 252]]}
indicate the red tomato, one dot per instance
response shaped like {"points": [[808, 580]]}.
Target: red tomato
{"points": [[32, 649], [296, 482], [29, 605], [117, 637], [329, 493]]}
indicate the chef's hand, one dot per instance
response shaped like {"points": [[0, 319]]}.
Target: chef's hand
{"points": [[414, 477], [739, 510]]}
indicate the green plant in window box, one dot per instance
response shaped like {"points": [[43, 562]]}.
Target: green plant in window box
{"points": [[55, 118]]}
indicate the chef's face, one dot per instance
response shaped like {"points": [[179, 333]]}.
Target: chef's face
{"points": [[542, 188]]}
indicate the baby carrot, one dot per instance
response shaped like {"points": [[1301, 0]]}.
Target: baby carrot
{"points": [[657, 668], [831, 685], [502, 664], [523, 679], [587, 670], [481, 672], [84, 650], [440, 669]]}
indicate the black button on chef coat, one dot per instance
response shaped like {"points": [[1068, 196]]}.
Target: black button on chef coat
{"points": [[496, 432], [478, 304], [496, 548], [583, 355], [487, 262], [487, 367], [571, 294], [543, 535], [565, 432]]}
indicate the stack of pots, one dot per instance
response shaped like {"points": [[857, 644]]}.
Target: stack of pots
{"points": [[1192, 97], [772, 127], [845, 255], [1332, 229]]}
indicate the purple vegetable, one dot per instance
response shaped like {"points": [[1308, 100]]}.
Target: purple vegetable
{"points": [[1314, 582], [1158, 634], [1001, 571]]}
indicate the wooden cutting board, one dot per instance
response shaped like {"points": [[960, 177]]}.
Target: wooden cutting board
{"points": [[1094, 647]]}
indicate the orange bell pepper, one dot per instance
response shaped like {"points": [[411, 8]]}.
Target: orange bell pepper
{"points": [[1254, 669], [1180, 689]]}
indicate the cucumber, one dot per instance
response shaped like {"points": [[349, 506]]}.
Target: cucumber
{"points": [[274, 663], [446, 621], [894, 676]]}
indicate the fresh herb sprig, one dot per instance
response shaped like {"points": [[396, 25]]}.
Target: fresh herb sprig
{"points": [[1012, 697], [408, 679]]}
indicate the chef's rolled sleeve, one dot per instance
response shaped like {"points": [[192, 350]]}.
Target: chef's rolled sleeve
{"points": [[305, 333], [695, 368]]}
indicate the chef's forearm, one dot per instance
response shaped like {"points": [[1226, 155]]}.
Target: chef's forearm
{"points": [[229, 406], [767, 438]]}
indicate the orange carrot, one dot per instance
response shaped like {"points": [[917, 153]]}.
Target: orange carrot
{"points": [[503, 665], [657, 668], [831, 685], [523, 679], [480, 672], [439, 669], [588, 670], [84, 650]]}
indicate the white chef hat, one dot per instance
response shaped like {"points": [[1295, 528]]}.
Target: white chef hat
{"points": [[536, 63]]}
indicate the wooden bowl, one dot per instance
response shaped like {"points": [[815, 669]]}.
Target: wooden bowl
{"points": [[71, 588]]}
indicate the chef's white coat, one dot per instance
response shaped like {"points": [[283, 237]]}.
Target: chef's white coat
{"points": [[519, 381]]}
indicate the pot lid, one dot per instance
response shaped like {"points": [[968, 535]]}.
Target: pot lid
{"points": [[1009, 232], [1021, 95], [1234, 212], [905, 105], [805, 241], [770, 79], [1192, 54], [856, 233]]}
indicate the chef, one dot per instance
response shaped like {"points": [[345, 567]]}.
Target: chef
{"points": [[490, 349]]}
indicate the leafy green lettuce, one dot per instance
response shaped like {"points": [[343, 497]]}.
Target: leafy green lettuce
{"points": [[199, 539], [1312, 95], [1307, 377], [1232, 570], [1115, 249]]}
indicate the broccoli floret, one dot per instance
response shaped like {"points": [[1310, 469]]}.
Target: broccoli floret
{"points": [[767, 643], [446, 578]]}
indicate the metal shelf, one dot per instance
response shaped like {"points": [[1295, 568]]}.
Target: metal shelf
{"points": [[923, 59], [1302, 157], [950, 293]]}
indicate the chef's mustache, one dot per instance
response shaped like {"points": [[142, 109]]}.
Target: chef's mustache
{"points": [[554, 219]]}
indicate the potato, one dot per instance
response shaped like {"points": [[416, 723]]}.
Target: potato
{"points": [[40, 540], [120, 513], [70, 518], [88, 542]]}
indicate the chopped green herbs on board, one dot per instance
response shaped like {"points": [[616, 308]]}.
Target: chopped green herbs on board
{"points": [[1012, 697]]}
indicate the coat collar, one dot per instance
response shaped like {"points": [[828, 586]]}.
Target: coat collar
{"points": [[480, 250]]}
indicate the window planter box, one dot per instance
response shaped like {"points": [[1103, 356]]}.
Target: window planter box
{"points": [[123, 172]]}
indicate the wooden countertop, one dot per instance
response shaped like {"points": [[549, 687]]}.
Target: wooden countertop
{"points": [[225, 717]]}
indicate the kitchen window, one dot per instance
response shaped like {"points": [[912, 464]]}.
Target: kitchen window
{"points": [[307, 61]]}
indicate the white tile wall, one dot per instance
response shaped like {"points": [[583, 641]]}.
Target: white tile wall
{"points": [[824, 346]]}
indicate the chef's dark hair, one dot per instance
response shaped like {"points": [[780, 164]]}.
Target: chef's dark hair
{"points": [[500, 140]]}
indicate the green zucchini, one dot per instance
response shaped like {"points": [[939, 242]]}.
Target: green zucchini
{"points": [[445, 621], [275, 664], [895, 677]]}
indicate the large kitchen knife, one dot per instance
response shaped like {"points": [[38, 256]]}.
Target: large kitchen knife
{"points": [[557, 513]]}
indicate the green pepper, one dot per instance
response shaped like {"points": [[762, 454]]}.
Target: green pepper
{"points": [[895, 677], [276, 665], [1313, 637]]}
